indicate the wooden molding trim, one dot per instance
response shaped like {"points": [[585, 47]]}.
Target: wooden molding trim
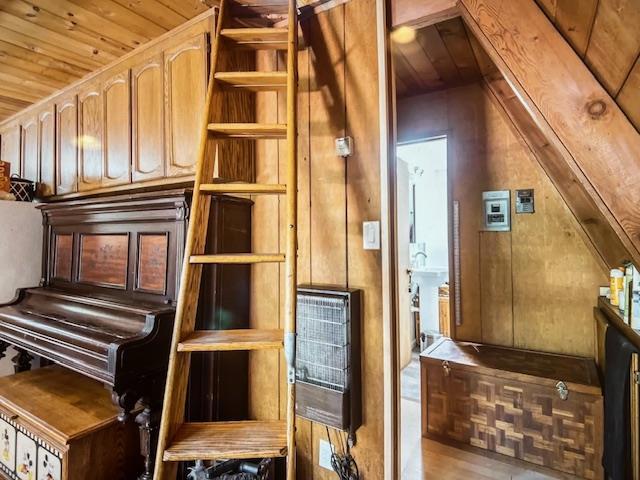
{"points": [[422, 13], [597, 144]]}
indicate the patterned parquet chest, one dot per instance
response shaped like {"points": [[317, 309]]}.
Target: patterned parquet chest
{"points": [[514, 413]]}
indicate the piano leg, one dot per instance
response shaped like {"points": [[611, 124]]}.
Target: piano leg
{"points": [[126, 401], [3, 349], [149, 422], [22, 361]]}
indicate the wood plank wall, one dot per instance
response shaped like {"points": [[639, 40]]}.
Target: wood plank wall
{"points": [[535, 286], [337, 97]]}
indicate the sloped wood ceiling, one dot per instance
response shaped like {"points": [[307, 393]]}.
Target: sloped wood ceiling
{"points": [[47, 44], [590, 145], [437, 56], [606, 35]]}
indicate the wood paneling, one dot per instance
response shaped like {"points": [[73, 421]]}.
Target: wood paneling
{"points": [[148, 119], [153, 250], [10, 146], [117, 130], [47, 131], [67, 145], [605, 34], [90, 137], [337, 95], [62, 257], [440, 56], [30, 149], [575, 112], [185, 76], [104, 259], [47, 44], [510, 280], [496, 288], [418, 13]]}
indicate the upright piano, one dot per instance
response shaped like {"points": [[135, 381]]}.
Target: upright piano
{"points": [[106, 301]]}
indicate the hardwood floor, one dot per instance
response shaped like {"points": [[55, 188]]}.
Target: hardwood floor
{"points": [[424, 459]]}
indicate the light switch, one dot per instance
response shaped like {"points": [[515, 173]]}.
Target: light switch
{"points": [[371, 235]]}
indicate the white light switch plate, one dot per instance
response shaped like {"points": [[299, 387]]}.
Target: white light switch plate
{"points": [[324, 459], [371, 235]]}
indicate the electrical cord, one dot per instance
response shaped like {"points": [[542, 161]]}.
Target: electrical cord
{"points": [[343, 463]]}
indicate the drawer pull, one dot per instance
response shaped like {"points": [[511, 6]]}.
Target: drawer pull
{"points": [[563, 390]]}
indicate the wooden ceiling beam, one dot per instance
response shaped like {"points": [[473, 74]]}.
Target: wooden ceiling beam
{"points": [[31, 68], [155, 11], [189, 8], [8, 90], [422, 13], [597, 144]]}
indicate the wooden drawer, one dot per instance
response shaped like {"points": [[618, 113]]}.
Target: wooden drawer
{"points": [[59, 425], [512, 402]]}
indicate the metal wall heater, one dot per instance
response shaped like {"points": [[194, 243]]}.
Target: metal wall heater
{"points": [[328, 386]]}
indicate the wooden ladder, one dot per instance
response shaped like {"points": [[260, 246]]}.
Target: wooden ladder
{"points": [[178, 440]]}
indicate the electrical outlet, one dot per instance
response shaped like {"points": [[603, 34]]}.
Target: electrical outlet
{"points": [[324, 459]]}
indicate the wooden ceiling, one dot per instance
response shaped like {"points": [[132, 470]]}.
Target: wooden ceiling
{"points": [[47, 44], [606, 35], [440, 56]]}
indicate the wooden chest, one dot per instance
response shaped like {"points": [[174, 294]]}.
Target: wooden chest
{"points": [[56, 424], [542, 408]]}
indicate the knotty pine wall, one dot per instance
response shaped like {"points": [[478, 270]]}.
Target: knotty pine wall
{"points": [[338, 96], [535, 286]]}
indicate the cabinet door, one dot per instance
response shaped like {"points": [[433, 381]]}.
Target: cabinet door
{"points": [[148, 120], [117, 130], [67, 146], [90, 123], [30, 149], [46, 126], [10, 146], [186, 84]]}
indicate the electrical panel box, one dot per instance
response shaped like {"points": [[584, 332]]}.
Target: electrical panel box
{"points": [[524, 201], [328, 384], [497, 210]]}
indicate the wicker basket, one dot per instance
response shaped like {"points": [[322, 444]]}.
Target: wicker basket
{"points": [[24, 190]]}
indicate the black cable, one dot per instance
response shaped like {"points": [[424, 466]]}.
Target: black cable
{"points": [[343, 463]]}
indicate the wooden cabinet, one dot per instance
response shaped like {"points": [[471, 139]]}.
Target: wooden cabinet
{"points": [[117, 130], [147, 107], [30, 149], [10, 146], [90, 124], [67, 145], [138, 120], [185, 73], [47, 154]]}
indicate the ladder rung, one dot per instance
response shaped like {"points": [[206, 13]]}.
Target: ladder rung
{"points": [[244, 188], [228, 340], [228, 440], [248, 130], [254, 81], [238, 258], [257, 38]]}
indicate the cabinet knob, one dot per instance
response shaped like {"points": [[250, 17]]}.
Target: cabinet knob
{"points": [[563, 390], [446, 368]]}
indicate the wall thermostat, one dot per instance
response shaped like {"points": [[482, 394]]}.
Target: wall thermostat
{"points": [[497, 210], [524, 201]]}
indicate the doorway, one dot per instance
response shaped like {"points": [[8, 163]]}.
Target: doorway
{"points": [[422, 243]]}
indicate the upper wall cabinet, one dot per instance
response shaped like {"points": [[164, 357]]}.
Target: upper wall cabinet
{"points": [[10, 146], [67, 145], [117, 130], [30, 149], [90, 124], [185, 68], [47, 146], [147, 93]]}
